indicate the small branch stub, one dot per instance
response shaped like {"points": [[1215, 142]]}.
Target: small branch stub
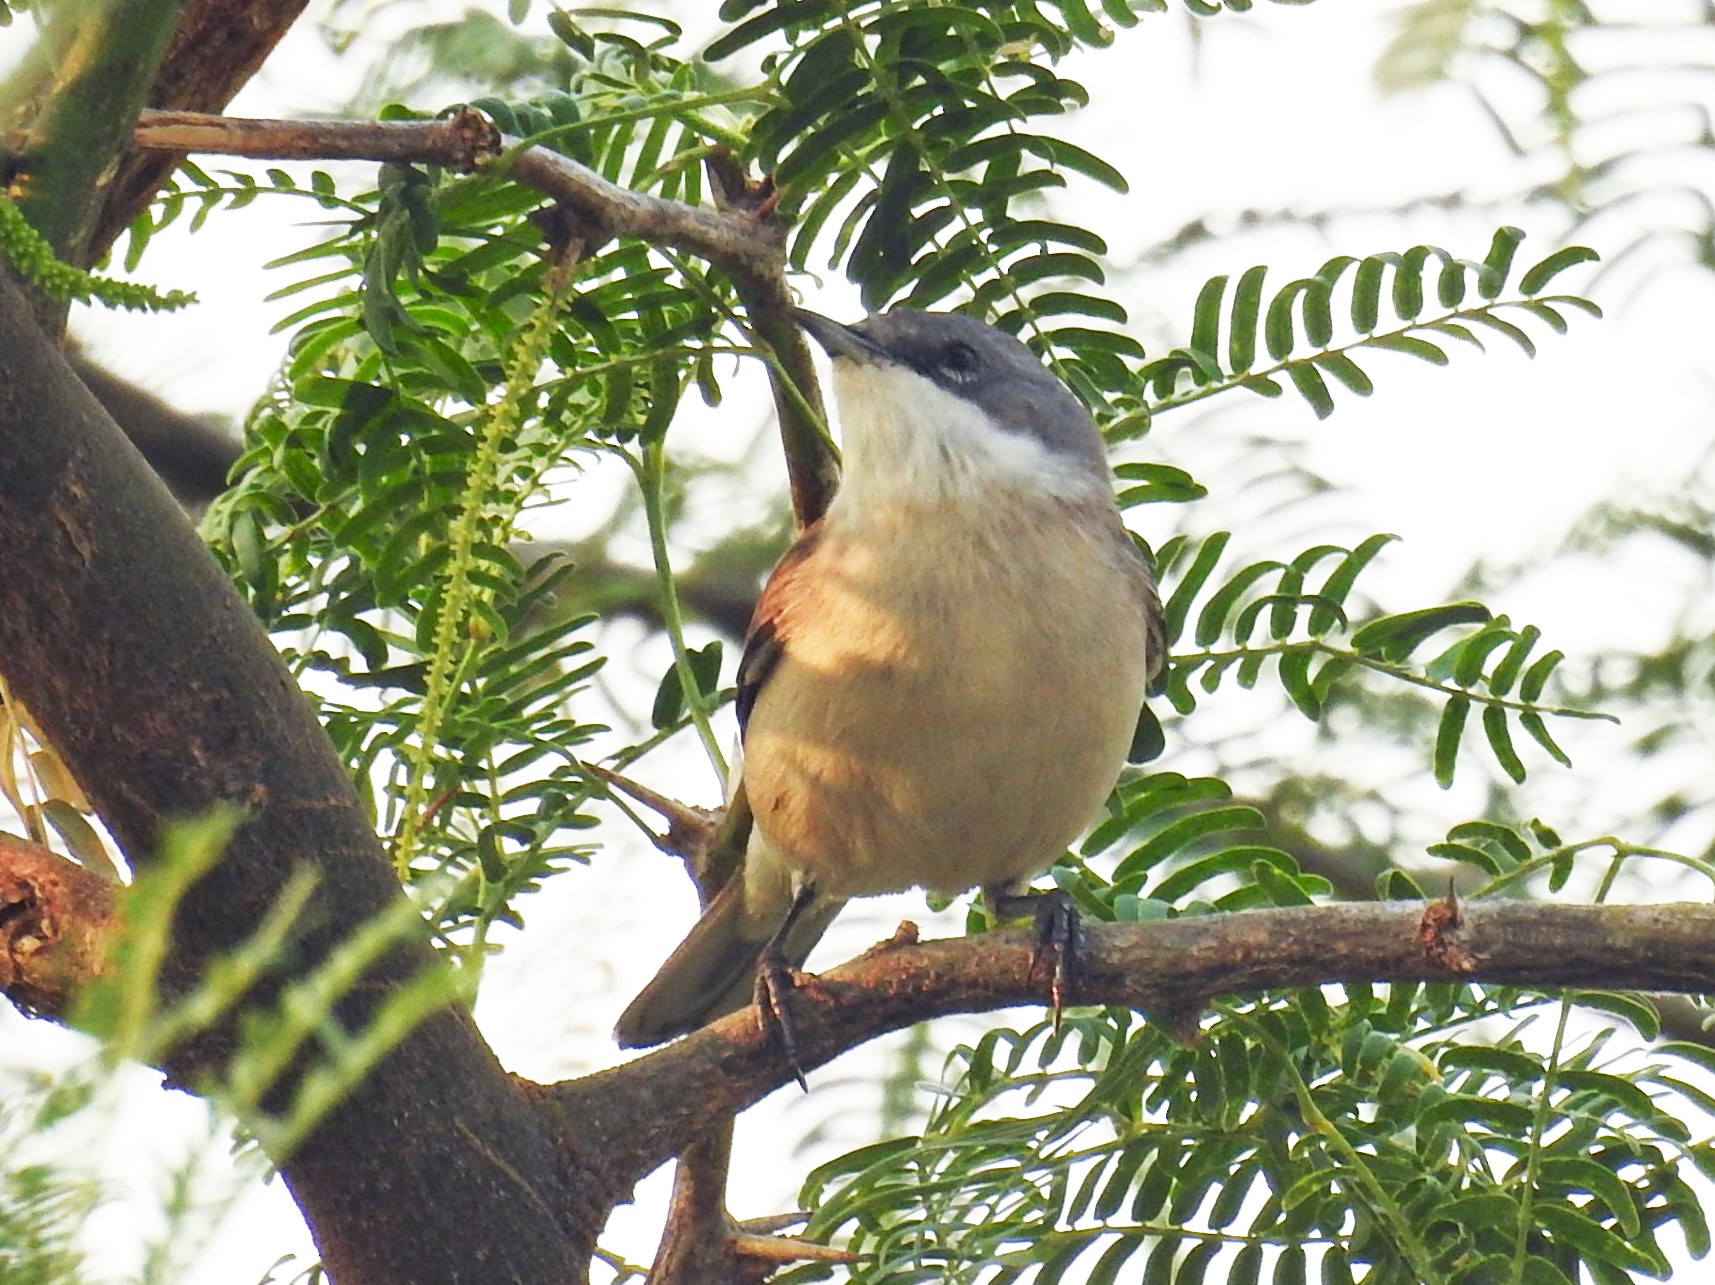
{"points": [[1437, 931], [57, 920]]}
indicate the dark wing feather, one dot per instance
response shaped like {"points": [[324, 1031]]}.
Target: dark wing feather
{"points": [[763, 643]]}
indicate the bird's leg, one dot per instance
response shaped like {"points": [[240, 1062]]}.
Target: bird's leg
{"points": [[1059, 931], [775, 982]]}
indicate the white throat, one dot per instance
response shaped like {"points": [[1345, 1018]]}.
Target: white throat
{"points": [[906, 440]]}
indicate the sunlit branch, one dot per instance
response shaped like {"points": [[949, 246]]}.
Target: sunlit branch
{"points": [[649, 1109]]}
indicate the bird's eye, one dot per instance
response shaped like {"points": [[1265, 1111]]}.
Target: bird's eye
{"points": [[959, 362]]}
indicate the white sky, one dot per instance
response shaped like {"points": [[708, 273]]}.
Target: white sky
{"points": [[1273, 110]]}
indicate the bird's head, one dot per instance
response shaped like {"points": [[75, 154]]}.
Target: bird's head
{"points": [[940, 403]]}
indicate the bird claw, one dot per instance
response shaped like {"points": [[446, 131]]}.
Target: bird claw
{"points": [[775, 982], [1059, 933]]}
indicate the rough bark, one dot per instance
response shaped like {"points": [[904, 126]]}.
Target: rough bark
{"points": [[56, 923], [163, 695], [640, 1114]]}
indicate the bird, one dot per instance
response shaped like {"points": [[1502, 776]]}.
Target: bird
{"points": [[943, 674]]}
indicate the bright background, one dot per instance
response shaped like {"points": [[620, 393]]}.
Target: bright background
{"points": [[1286, 117]]}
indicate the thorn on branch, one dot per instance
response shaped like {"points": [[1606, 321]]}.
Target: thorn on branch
{"points": [[690, 829], [1441, 919], [768, 1224], [789, 1249], [906, 934], [736, 191]]}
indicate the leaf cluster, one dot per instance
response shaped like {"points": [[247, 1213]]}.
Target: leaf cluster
{"points": [[363, 459], [1401, 1133], [1249, 339], [1368, 1136], [912, 145], [1294, 616]]}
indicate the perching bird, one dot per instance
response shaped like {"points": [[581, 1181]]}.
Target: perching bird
{"points": [[944, 674]]}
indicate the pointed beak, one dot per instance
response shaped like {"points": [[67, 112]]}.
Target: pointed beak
{"points": [[837, 339]]}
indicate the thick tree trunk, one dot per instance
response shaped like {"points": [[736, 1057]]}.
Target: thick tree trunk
{"points": [[165, 697]]}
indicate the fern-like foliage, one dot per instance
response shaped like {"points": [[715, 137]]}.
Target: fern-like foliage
{"points": [[1293, 615], [449, 373], [1390, 1134], [1249, 339], [383, 433], [42, 1205]]}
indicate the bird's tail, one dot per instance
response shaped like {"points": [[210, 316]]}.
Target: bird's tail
{"points": [[713, 971]]}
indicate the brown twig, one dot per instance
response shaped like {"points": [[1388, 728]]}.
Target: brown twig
{"points": [[1352, 871], [744, 239], [461, 140], [690, 829], [641, 1113]]}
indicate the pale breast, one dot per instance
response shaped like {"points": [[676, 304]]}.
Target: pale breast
{"points": [[948, 722]]}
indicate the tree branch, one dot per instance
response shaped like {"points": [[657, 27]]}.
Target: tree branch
{"points": [[163, 695], [460, 141], [638, 1115], [743, 240], [72, 102], [192, 455], [1352, 870], [56, 923]]}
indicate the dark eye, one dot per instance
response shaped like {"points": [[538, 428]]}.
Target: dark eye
{"points": [[959, 362]]}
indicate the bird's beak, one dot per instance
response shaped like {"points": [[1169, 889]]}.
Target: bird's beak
{"points": [[836, 338]]}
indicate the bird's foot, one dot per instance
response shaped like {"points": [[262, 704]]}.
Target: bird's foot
{"points": [[775, 982], [1059, 933]]}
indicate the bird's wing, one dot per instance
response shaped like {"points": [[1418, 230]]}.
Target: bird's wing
{"points": [[764, 644], [1154, 618]]}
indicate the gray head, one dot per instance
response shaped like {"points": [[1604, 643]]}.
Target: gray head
{"points": [[978, 363]]}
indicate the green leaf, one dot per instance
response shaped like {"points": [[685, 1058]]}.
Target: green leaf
{"points": [[1532, 723], [1178, 604], [1542, 273], [1326, 615], [1576, 1173], [1507, 328], [1447, 736], [1394, 638], [1247, 1267], [1247, 306], [1311, 388], [1295, 677], [1206, 317], [1412, 347], [1498, 263], [1501, 742], [1469, 855], [1591, 1239], [1347, 371], [1512, 664], [1216, 611], [1493, 835], [1536, 677], [1280, 889]]}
